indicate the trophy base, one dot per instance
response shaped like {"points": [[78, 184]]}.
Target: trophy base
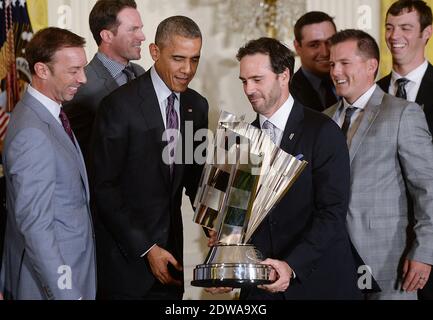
{"points": [[231, 275]]}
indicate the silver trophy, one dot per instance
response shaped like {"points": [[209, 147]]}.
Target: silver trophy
{"points": [[246, 175]]}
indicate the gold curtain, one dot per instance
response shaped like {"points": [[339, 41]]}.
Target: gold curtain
{"points": [[386, 59], [38, 14]]}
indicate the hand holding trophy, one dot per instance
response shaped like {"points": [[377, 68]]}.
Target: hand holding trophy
{"points": [[246, 175]]}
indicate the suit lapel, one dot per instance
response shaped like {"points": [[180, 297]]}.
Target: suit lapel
{"points": [[102, 72], [330, 112], [59, 133], [371, 111], [293, 130], [384, 83], [424, 94], [153, 118]]}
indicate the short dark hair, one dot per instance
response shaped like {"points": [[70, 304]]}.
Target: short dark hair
{"points": [[281, 56], [367, 46], [104, 16], [46, 42], [176, 26], [311, 17], [423, 10]]}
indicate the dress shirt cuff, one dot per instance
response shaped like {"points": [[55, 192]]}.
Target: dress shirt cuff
{"points": [[144, 254]]}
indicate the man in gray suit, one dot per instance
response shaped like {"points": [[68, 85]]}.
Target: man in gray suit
{"points": [[117, 29], [49, 245], [390, 152]]}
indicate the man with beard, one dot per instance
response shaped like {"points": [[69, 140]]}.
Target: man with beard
{"points": [[304, 238]]}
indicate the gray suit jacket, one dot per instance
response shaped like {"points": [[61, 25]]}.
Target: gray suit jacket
{"points": [[82, 109], [49, 244], [390, 155]]}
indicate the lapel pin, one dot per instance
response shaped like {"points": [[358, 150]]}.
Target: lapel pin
{"points": [[190, 110], [292, 136]]}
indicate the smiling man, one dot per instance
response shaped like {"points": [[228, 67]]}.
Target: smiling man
{"points": [[49, 246], [117, 29], [390, 155], [408, 30], [304, 238], [138, 190], [311, 84]]}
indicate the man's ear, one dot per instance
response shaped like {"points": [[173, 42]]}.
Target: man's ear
{"points": [[154, 52], [42, 70], [297, 46], [285, 76], [106, 36], [372, 65], [427, 33]]}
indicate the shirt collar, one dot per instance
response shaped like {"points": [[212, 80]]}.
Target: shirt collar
{"points": [[279, 118], [115, 68], [362, 101], [415, 75], [52, 106], [161, 89]]}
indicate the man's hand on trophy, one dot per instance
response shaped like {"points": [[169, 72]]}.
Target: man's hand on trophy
{"points": [[159, 260], [282, 273], [213, 238], [221, 290]]}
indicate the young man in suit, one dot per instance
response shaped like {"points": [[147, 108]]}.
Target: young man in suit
{"points": [[49, 245], [117, 29], [138, 187], [390, 150], [304, 238], [408, 29], [311, 84]]}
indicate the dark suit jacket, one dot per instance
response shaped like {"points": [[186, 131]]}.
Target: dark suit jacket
{"points": [[302, 90], [425, 94], [82, 109], [307, 229], [138, 204]]}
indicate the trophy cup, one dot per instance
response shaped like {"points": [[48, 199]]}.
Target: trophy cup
{"points": [[246, 175]]}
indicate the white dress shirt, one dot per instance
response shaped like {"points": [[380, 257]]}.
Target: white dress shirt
{"points": [[279, 119], [162, 93], [412, 87], [52, 106], [360, 104]]}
